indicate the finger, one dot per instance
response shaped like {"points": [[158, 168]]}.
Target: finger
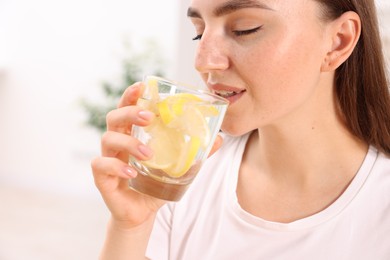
{"points": [[131, 95], [107, 172], [217, 144], [121, 146], [122, 119], [104, 167]]}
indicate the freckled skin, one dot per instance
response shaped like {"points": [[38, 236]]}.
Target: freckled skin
{"points": [[276, 65]]}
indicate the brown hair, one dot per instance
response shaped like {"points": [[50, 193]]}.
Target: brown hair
{"points": [[361, 84]]}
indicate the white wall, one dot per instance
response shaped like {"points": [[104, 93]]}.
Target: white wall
{"points": [[52, 53], [186, 48]]}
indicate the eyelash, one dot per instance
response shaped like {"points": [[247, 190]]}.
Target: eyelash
{"points": [[237, 33], [247, 32], [197, 37]]}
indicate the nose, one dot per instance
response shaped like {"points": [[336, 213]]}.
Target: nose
{"points": [[211, 54]]}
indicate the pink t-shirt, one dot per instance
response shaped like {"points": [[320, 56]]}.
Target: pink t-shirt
{"points": [[208, 223]]}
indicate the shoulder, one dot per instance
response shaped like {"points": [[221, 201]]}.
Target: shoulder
{"points": [[381, 173], [381, 168], [383, 161], [376, 188]]}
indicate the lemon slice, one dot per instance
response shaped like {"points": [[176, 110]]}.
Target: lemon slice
{"points": [[165, 112], [185, 98], [208, 110], [193, 124], [186, 113], [166, 145], [172, 153], [178, 131], [173, 106], [186, 158]]}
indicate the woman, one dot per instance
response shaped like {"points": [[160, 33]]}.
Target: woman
{"points": [[303, 171]]}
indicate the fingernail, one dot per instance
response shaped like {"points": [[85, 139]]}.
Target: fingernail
{"points": [[146, 151], [145, 115], [129, 171]]}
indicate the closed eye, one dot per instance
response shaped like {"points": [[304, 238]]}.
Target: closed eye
{"points": [[236, 32], [247, 32], [197, 37]]}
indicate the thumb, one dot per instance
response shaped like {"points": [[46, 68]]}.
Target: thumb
{"points": [[217, 144]]}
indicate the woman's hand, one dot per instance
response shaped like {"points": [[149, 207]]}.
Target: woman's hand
{"points": [[111, 170], [132, 213]]}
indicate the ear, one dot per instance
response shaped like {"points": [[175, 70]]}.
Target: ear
{"points": [[344, 34]]}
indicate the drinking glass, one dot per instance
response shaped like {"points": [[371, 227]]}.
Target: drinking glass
{"points": [[181, 135]]}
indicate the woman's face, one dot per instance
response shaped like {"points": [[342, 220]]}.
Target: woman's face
{"points": [[265, 56]]}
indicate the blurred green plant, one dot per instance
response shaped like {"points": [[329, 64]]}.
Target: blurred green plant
{"points": [[134, 65]]}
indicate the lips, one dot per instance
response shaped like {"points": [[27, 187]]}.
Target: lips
{"points": [[228, 92]]}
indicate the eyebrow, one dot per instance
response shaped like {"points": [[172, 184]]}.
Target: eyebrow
{"points": [[229, 7]]}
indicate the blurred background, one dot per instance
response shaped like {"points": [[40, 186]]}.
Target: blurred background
{"points": [[60, 62]]}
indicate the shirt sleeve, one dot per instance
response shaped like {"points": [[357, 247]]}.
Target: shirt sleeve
{"points": [[159, 242]]}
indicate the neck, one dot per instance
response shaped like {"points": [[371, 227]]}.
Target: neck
{"points": [[310, 141], [301, 163], [284, 178], [306, 153]]}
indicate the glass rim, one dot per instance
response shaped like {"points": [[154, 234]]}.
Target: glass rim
{"points": [[186, 87]]}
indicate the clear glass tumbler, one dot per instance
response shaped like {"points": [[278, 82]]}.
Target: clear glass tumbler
{"points": [[181, 136]]}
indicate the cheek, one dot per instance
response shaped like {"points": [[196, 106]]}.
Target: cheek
{"points": [[281, 77], [288, 63]]}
